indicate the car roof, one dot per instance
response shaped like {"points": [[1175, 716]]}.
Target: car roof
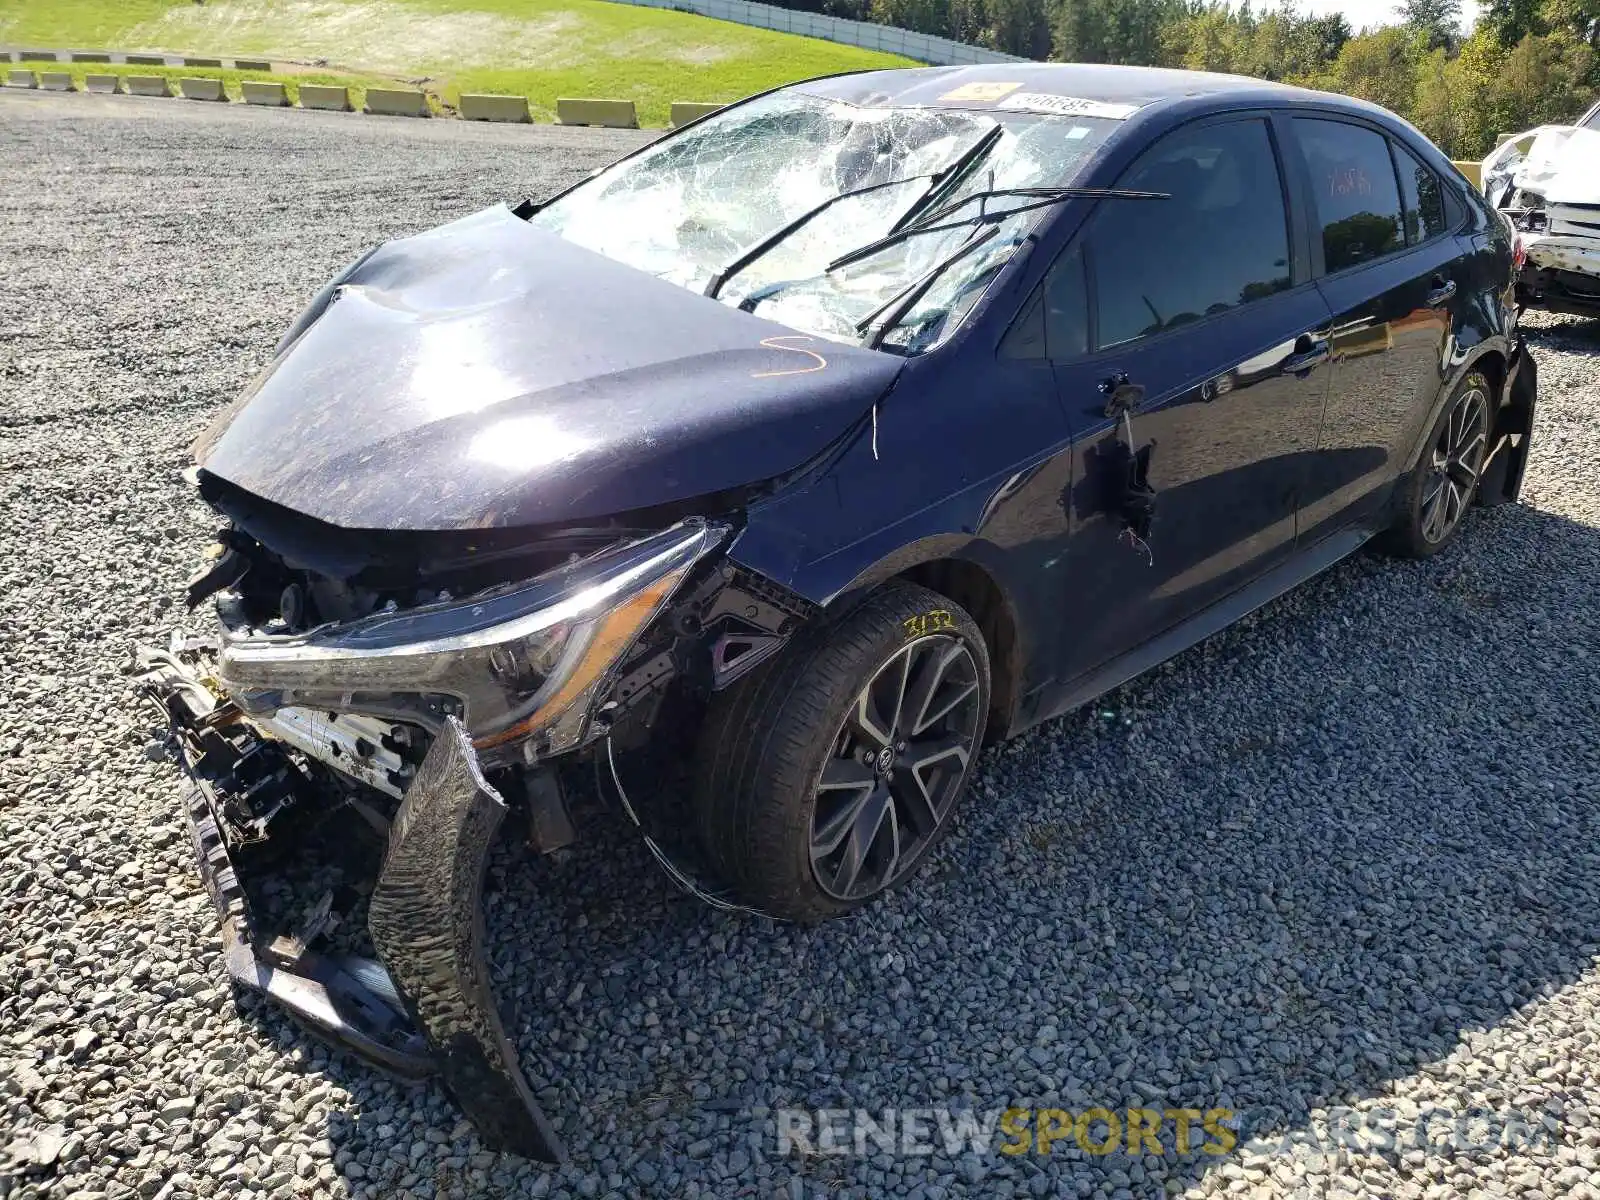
{"points": [[1002, 84]]}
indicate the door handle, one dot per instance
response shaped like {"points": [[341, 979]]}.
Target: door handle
{"points": [[1309, 350], [1443, 292]]}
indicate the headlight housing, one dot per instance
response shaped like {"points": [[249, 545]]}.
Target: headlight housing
{"points": [[521, 666]]}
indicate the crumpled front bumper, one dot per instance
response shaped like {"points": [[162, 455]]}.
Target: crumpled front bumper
{"points": [[1562, 273], [426, 1007]]}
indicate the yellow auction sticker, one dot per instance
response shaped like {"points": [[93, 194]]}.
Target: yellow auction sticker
{"points": [[981, 91]]}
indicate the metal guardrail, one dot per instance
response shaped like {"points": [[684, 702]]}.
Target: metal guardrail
{"points": [[923, 47]]}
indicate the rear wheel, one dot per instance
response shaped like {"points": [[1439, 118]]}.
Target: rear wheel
{"points": [[1446, 478], [828, 777]]}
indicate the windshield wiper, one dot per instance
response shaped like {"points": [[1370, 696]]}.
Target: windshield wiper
{"points": [[936, 180], [779, 234], [951, 175], [1042, 198], [875, 326]]}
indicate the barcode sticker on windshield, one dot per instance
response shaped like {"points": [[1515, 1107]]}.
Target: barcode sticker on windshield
{"points": [[1072, 106]]}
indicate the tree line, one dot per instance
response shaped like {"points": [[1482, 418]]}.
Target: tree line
{"points": [[1526, 62]]}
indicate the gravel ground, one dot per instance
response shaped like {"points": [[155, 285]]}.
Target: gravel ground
{"points": [[1342, 856]]}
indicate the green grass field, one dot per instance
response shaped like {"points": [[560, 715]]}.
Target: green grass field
{"points": [[537, 48]]}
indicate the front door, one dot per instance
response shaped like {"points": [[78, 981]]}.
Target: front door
{"points": [[1193, 377]]}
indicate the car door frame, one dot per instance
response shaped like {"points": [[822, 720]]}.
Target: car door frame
{"points": [[1302, 285], [1402, 455]]}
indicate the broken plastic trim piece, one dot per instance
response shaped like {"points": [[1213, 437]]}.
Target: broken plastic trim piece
{"points": [[343, 998], [427, 1007], [426, 920]]}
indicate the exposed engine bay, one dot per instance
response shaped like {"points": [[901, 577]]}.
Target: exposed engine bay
{"points": [[419, 686]]}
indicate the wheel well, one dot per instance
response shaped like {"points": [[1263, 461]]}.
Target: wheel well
{"points": [[970, 586], [1493, 366]]}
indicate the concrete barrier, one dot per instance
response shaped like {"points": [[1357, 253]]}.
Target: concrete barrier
{"points": [[322, 95], [257, 92], [21, 79], [398, 102], [201, 62], [55, 81], [110, 84], [1472, 170], [614, 114], [145, 60], [251, 64], [90, 56], [202, 89], [148, 85], [494, 108], [684, 111]]}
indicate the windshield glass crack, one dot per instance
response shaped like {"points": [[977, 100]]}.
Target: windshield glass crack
{"points": [[758, 205]]}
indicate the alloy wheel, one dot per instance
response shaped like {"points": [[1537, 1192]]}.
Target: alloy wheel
{"points": [[898, 763], [1456, 462]]}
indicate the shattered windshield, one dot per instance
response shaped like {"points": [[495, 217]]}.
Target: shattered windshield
{"points": [[692, 208]]}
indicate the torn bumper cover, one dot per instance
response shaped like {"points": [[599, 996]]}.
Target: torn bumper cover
{"points": [[426, 1007], [410, 705], [426, 920]]}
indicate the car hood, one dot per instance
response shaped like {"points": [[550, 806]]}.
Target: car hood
{"points": [[1561, 163], [490, 374]]}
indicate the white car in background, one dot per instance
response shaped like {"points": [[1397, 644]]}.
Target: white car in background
{"points": [[1547, 181]]}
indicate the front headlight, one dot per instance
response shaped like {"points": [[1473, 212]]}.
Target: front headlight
{"points": [[520, 664]]}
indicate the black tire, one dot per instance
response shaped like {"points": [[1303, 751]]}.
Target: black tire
{"points": [[1436, 496], [766, 741]]}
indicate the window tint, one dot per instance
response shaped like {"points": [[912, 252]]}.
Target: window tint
{"points": [[1066, 307], [1055, 323], [1221, 240], [1353, 185], [1423, 195]]}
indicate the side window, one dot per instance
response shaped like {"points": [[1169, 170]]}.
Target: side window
{"points": [[1066, 307], [1353, 185], [1423, 196], [1221, 240], [1055, 323]]}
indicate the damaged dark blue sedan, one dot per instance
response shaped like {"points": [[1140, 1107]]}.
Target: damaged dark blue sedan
{"points": [[814, 446]]}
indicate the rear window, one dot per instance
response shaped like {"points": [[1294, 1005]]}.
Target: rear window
{"points": [[1353, 186], [1423, 195]]}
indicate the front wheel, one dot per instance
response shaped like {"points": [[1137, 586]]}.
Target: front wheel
{"points": [[827, 777]]}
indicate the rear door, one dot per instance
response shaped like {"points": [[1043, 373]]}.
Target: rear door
{"points": [[1392, 276], [1205, 302]]}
